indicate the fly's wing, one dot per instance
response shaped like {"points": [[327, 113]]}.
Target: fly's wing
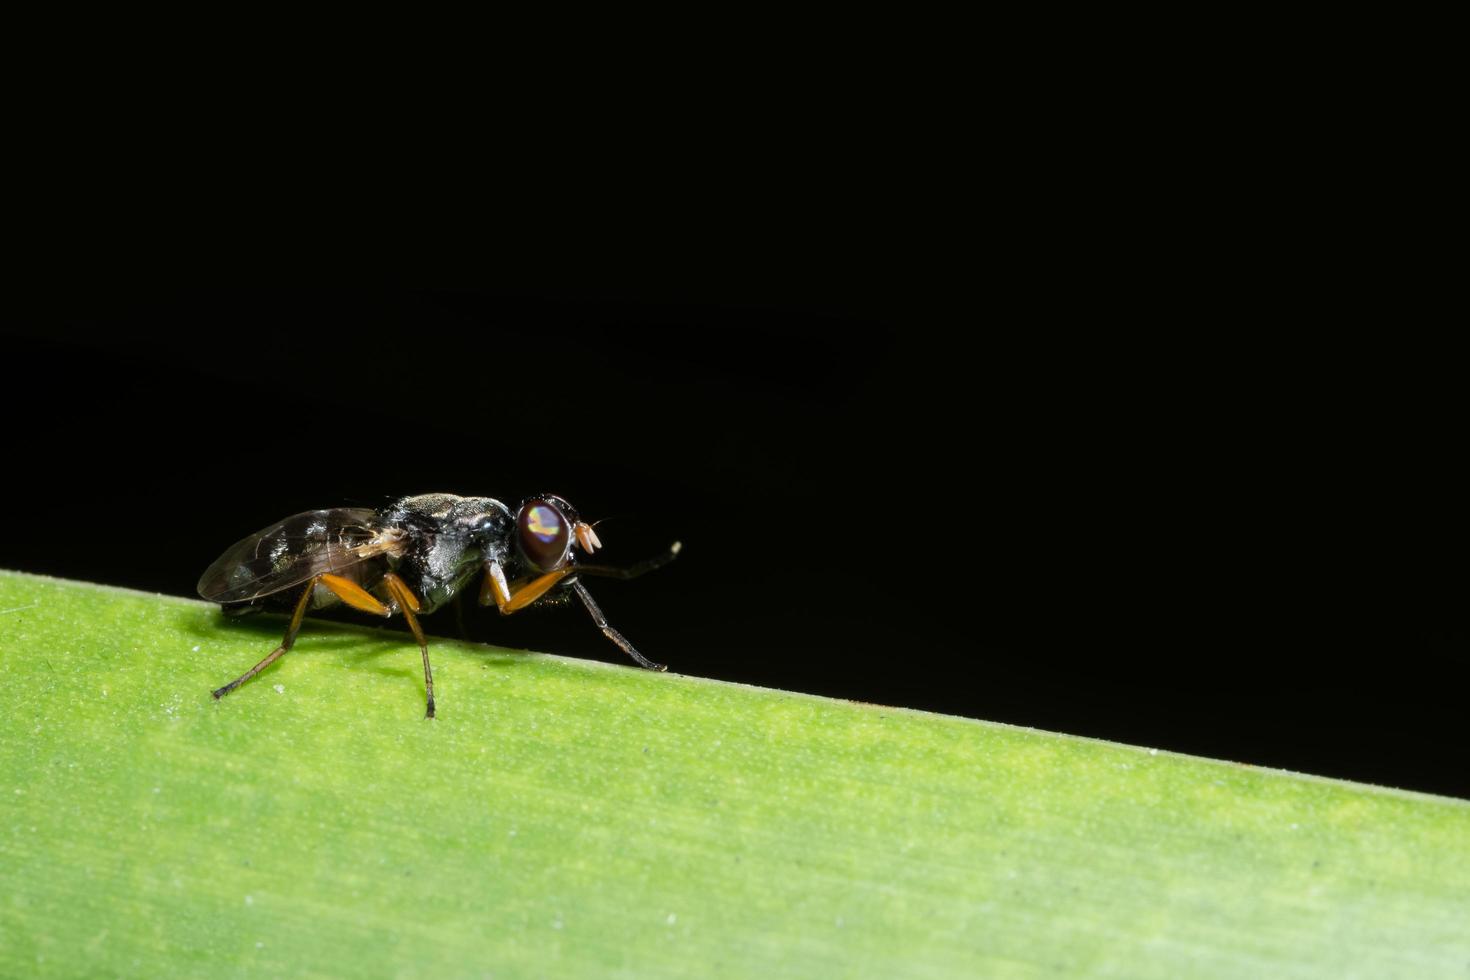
{"points": [[296, 550]]}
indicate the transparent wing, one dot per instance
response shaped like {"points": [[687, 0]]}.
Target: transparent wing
{"points": [[295, 550]]}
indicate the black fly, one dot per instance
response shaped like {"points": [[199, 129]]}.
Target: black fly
{"points": [[411, 558]]}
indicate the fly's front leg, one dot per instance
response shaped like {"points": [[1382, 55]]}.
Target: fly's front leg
{"points": [[633, 571], [609, 632], [495, 589]]}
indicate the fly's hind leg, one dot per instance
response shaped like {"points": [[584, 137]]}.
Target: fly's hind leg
{"points": [[286, 643], [346, 590]]}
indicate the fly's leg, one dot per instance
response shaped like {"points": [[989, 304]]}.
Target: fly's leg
{"points": [[355, 595], [348, 591], [495, 589], [612, 634], [632, 571], [408, 604], [275, 654]]}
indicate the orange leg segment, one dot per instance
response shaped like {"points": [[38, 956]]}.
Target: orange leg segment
{"points": [[355, 596], [494, 588], [535, 589]]}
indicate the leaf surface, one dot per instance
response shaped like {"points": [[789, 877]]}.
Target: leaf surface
{"points": [[570, 818]]}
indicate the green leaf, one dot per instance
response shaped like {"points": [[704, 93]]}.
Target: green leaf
{"points": [[565, 818]]}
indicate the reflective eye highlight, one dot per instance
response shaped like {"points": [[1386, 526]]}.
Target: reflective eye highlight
{"points": [[543, 522], [544, 536]]}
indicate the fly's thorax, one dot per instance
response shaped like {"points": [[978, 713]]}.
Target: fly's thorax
{"points": [[448, 539], [438, 564], [451, 525], [431, 506]]}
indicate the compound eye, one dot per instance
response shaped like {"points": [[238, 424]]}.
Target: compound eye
{"points": [[543, 534]]}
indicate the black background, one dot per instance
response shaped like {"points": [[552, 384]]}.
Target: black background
{"points": [[1008, 492]]}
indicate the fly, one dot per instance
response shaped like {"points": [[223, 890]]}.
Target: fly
{"points": [[411, 558]]}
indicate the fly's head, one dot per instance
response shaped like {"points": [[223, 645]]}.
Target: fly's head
{"points": [[546, 528]]}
